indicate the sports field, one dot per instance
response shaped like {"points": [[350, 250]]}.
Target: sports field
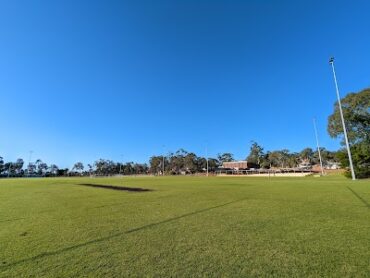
{"points": [[185, 226]]}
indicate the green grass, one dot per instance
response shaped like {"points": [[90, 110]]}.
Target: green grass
{"points": [[187, 226]]}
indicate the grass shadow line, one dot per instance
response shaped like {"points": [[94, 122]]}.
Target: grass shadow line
{"points": [[11, 220], [60, 251], [182, 216], [359, 197]]}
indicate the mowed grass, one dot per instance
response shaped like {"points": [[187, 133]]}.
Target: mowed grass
{"points": [[186, 226]]}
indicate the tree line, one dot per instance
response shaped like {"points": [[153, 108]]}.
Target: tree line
{"points": [[356, 110], [101, 167], [174, 163]]}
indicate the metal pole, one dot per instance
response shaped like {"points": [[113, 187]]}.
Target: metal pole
{"points": [[331, 61], [318, 146]]}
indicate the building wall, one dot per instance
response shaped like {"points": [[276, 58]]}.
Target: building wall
{"points": [[236, 165]]}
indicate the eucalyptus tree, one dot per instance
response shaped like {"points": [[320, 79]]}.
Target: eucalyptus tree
{"points": [[356, 112], [307, 154], [42, 168], [225, 157], [140, 169], [176, 162], [9, 168], [79, 167], [53, 169], [37, 162], [91, 168], [31, 169], [18, 167], [202, 164], [293, 159], [155, 163], [256, 154], [213, 164], [128, 168], [1, 165], [274, 159], [104, 167], [285, 156], [190, 163]]}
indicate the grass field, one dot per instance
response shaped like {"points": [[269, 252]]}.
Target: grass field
{"points": [[185, 226]]}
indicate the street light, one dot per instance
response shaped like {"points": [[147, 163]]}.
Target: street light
{"points": [[331, 61]]}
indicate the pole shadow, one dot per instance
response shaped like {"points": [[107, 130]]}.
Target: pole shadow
{"points": [[359, 197], [11, 220], [114, 187], [151, 225]]}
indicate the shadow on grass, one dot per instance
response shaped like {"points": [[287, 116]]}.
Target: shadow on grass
{"points": [[359, 197], [11, 220], [57, 252], [113, 187]]}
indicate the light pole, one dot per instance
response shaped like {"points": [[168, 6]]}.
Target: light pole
{"points": [[331, 61], [318, 146]]}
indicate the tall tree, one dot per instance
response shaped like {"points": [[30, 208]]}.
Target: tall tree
{"points": [[105, 167], [256, 154], [283, 158], [213, 163], [53, 169], [190, 163], [79, 167], [177, 161], [37, 164], [155, 163], [274, 158], [1, 164], [18, 167], [42, 168], [31, 169], [225, 157], [9, 168], [356, 112], [62, 172], [90, 168], [293, 160], [307, 154]]}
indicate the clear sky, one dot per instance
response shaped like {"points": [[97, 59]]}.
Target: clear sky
{"points": [[82, 80]]}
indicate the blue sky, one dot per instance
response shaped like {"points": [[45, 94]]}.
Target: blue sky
{"points": [[82, 80]]}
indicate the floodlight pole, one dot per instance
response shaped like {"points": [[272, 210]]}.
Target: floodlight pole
{"points": [[331, 61], [318, 146]]}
